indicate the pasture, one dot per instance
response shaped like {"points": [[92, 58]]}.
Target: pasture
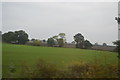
{"points": [[19, 54]]}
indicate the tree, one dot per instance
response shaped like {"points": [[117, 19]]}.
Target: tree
{"points": [[44, 40], [34, 42], [18, 37], [87, 44], [21, 37], [60, 42], [96, 44], [55, 37], [117, 43], [79, 38], [37, 43], [8, 37], [73, 42], [50, 42], [32, 39], [81, 43], [59, 39], [104, 44], [62, 36]]}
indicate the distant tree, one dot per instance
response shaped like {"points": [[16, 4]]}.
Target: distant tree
{"points": [[117, 43], [73, 42], [21, 36], [104, 44], [32, 39], [60, 42], [50, 42], [79, 38], [18, 37], [37, 43], [81, 43], [87, 44], [55, 37], [44, 40], [8, 37], [62, 36], [34, 42], [29, 43], [96, 44], [59, 39]]}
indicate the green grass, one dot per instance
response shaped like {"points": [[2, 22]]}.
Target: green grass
{"points": [[19, 54]]}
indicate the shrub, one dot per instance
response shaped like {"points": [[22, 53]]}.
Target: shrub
{"points": [[37, 43], [34, 43], [50, 42], [60, 42], [43, 69], [78, 70]]}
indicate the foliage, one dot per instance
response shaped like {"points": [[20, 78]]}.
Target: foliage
{"points": [[50, 42], [79, 38], [96, 44], [29, 43], [57, 40], [60, 42], [21, 37], [8, 37], [44, 40], [62, 36], [12, 68], [117, 43], [37, 43], [32, 39], [44, 69], [18, 37], [87, 44], [34, 42], [55, 37], [73, 42], [104, 44], [81, 43]]}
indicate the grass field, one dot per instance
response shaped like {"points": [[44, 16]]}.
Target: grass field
{"points": [[19, 54]]}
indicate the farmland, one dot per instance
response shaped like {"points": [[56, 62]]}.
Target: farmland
{"points": [[19, 54]]}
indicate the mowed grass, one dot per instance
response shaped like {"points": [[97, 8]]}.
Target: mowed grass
{"points": [[19, 54]]}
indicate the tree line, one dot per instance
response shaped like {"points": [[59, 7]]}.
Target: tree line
{"points": [[21, 37]]}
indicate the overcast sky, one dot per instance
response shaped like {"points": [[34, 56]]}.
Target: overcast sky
{"points": [[95, 20]]}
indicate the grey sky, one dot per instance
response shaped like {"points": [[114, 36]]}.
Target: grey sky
{"points": [[95, 20]]}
